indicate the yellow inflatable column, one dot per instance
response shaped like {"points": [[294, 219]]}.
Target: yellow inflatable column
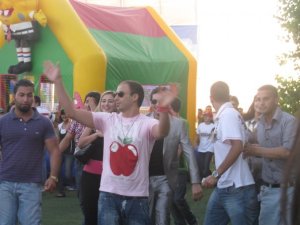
{"points": [[89, 60], [192, 74]]}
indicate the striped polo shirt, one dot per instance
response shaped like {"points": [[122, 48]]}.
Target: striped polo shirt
{"points": [[22, 146]]}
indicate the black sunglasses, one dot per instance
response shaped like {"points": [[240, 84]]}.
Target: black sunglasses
{"points": [[120, 94], [153, 101]]}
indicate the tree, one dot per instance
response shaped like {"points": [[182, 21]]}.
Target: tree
{"points": [[289, 94], [289, 18]]}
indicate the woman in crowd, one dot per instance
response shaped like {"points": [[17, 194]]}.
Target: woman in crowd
{"points": [[91, 174], [68, 157]]}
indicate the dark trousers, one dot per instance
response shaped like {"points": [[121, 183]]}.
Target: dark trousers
{"points": [[65, 175], [89, 197], [203, 161], [180, 209]]}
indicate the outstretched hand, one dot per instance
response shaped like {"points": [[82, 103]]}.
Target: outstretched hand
{"points": [[167, 96], [52, 71]]}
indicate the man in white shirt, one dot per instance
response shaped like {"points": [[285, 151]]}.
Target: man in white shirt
{"points": [[234, 198]]}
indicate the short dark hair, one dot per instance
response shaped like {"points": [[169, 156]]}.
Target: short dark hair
{"points": [[176, 105], [234, 99], [23, 83], [270, 88], [136, 88], [219, 91], [93, 94], [37, 100]]}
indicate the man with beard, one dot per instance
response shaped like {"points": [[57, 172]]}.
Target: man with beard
{"points": [[23, 135]]}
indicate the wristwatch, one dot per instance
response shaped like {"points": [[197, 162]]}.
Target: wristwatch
{"points": [[215, 174], [54, 178]]}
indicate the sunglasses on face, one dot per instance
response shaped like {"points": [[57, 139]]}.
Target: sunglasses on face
{"points": [[120, 94], [154, 101]]}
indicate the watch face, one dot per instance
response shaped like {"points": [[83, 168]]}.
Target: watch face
{"points": [[215, 174]]}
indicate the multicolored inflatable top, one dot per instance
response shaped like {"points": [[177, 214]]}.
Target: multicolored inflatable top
{"points": [[99, 46]]}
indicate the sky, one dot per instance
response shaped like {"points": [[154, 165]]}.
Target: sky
{"points": [[239, 42]]}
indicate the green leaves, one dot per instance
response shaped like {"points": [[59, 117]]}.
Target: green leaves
{"points": [[289, 93], [289, 19]]}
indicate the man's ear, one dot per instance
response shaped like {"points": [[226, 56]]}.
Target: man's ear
{"points": [[135, 96]]}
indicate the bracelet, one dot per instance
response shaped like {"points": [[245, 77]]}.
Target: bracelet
{"points": [[54, 178], [162, 109]]}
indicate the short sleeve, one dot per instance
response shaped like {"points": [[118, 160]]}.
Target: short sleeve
{"points": [[49, 129]]}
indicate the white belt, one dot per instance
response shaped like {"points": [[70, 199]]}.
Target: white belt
{"points": [[23, 32]]}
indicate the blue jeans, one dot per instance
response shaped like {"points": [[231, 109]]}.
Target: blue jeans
{"points": [[270, 212], [66, 173], [116, 209], [20, 202], [68, 163], [236, 205]]}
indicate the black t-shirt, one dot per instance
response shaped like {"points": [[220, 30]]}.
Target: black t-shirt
{"points": [[156, 166]]}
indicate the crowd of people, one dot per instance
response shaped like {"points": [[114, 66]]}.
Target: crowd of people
{"points": [[139, 165]]}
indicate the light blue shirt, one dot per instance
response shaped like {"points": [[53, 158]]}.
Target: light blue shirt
{"points": [[281, 133]]}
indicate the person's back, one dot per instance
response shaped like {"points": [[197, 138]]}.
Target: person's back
{"points": [[234, 198]]}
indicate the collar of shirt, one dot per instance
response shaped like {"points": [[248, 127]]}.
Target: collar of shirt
{"points": [[276, 117], [221, 109], [35, 115]]}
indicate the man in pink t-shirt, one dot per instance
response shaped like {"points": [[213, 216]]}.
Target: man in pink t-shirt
{"points": [[128, 141]]}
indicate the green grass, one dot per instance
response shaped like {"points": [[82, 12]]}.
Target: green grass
{"points": [[66, 211], [61, 211]]}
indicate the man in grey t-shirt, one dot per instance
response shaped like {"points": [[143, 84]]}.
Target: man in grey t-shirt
{"points": [[276, 132]]}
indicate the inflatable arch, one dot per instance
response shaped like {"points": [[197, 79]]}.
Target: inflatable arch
{"points": [[98, 47]]}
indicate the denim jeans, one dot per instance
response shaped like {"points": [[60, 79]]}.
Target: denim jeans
{"points": [[270, 213], [116, 209], [20, 202], [66, 173], [236, 205]]}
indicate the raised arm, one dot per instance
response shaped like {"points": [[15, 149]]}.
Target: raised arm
{"points": [[161, 130], [52, 71]]}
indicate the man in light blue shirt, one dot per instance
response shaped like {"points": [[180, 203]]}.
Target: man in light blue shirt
{"points": [[276, 132]]}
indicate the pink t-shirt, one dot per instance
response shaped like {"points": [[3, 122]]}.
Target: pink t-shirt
{"points": [[128, 143]]}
